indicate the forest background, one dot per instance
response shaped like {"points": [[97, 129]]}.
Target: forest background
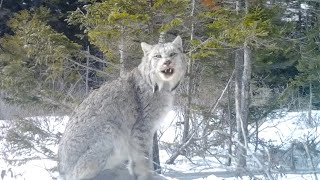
{"points": [[248, 59]]}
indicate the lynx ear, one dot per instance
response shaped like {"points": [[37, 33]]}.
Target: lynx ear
{"points": [[178, 42], [146, 47]]}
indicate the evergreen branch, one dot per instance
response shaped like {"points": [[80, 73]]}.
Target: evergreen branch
{"points": [[227, 46]]}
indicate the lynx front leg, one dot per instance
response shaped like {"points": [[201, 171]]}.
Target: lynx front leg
{"points": [[140, 162], [142, 173], [88, 166], [139, 169], [93, 161]]}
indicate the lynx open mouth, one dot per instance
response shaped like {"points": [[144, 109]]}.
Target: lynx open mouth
{"points": [[168, 72]]}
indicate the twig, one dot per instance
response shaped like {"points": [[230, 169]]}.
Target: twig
{"points": [[262, 167], [178, 152], [95, 58], [79, 64], [214, 106], [190, 137], [311, 161]]}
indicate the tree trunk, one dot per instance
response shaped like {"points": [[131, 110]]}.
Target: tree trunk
{"points": [[87, 70], [245, 91], [239, 151], [247, 6], [187, 116], [257, 135], [238, 6], [155, 154], [230, 129], [310, 105], [242, 88], [242, 97], [122, 54], [292, 158]]}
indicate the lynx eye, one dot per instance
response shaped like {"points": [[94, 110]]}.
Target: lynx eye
{"points": [[158, 56], [173, 54]]}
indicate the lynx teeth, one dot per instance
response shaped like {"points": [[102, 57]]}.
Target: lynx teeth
{"points": [[168, 71]]}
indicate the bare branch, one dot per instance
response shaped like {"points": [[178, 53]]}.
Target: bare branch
{"points": [[97, 70], [191, 136], [95, 58]]}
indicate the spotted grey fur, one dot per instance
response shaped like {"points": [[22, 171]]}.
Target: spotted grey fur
{"points": [[116, 123]]}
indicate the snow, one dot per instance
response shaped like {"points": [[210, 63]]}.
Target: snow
{"points": [[168, 129], [277, 130], [33, 170], [304, 6], [284, 177], [291, 127]]}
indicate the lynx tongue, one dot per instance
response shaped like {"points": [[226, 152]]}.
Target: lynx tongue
{"points": [[168, 71]]}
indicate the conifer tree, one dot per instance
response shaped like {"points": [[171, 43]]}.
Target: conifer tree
{"points": [[35, 61], [242, 28], [115, 27]]}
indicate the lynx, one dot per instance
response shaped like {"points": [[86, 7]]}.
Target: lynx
{"points": [[116, 123]]}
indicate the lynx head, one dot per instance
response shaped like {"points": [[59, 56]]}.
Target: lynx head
{"points": [[163, 65]]}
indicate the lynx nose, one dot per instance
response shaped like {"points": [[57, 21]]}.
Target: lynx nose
{"points": [[167, 63]]}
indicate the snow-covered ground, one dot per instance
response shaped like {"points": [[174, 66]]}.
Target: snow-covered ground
{"points": [[276, 130], [285, 177], [289, 127]]}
